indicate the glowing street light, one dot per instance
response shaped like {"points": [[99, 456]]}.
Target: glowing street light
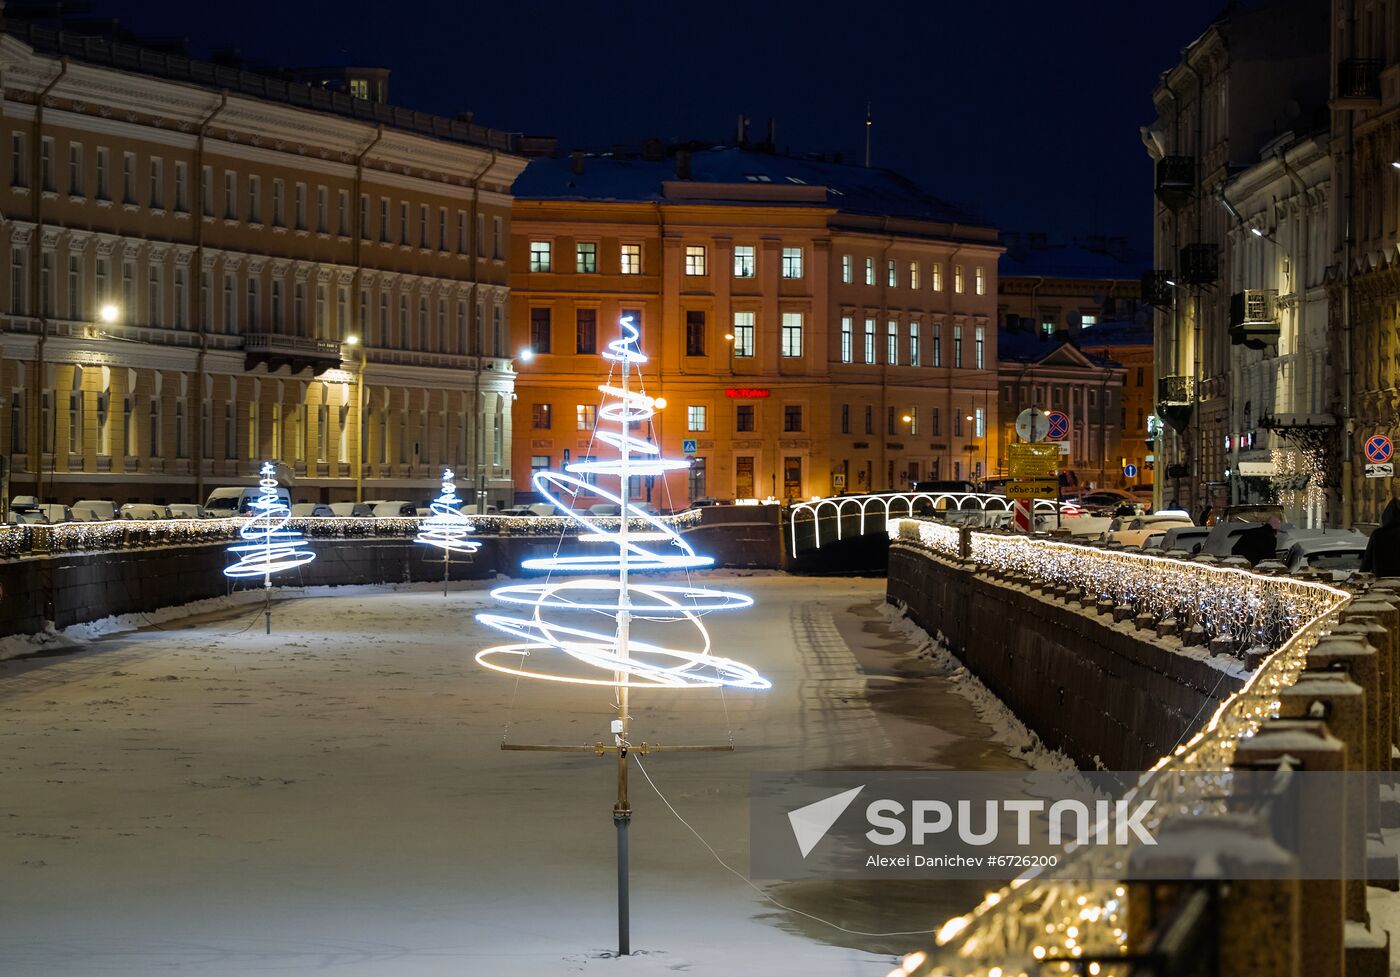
{"points": [[526, 355], [109, 312]]}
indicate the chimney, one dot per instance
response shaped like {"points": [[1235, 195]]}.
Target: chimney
{"points": [[576, 162], [682, 164]]}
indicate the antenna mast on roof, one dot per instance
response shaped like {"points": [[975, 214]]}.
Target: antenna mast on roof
{"points": [[868, 123]]}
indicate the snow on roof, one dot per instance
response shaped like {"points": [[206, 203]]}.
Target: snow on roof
{"points": [[854, 189], [1093, 256], [1122, 333]]}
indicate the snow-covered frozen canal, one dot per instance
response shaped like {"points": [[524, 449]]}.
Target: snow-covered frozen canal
{"points": [[201, 798]]}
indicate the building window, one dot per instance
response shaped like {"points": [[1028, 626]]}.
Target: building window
{"points": [[1139, 376], [846, 272], [979, 422], [958, 279], [913, 422], [230, 195], [957, 347], [792, 417], [586, 331], [869, 419], [792, 334], [75, 286], [792, 262], [541, 257], [847, 339], [695, 417], [695, 259], [1086, 321], [279, 212], [539, 463], [743, 333], [694, 333], [18, 165], [75, 169], [254, 200], [980, 280], [978, 348], [129, 178], [587, 416], [497, 237], [745, 265], [957, 424], [323, 206], [153, 296], [914, 275], [937, 344], [744, 479], [461, 232], [46, 177], [890, 428], [892, 342], [869, 341], [869, 271], [104, 166], [182, 179], [914, 344], [845, 418], [403, 219], [586, 254], [343, 213], [744, 418], [935, 422], [539, 330], [630, 257], [891, 274], [935, 274], [695, 478], [541, 415]]}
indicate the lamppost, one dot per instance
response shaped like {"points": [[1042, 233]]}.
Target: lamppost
{"points": [[354, 343], [729, 342]]}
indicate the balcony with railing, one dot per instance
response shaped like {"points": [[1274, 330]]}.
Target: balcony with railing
{"points": [[1358, 83], [296, 352]]}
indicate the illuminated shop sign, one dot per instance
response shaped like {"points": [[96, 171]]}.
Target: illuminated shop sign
{"points": [[746, 393]]}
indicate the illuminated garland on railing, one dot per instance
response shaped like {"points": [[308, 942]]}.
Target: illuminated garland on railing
{"points": [[1053, 916]]}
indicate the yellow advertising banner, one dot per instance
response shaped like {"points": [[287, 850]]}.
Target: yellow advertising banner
{"points": [[1040, 460], [1033, 488]]}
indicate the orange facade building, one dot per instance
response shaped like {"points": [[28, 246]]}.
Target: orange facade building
{"points": [[814, 328]]}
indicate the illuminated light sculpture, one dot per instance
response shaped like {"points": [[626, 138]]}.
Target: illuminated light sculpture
{"points": [[447, 528], [585, 653], [266, 546]]}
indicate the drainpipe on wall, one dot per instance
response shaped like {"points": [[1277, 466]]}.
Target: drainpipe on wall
{"points": [[197, 207], [36, 449]]}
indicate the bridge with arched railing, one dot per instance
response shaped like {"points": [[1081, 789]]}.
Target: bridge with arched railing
{"points": [[870, 512]]}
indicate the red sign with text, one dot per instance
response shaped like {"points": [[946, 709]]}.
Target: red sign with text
{"points": [[746, 393]]}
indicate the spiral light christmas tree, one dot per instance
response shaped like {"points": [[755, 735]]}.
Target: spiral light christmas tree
{"points": [[267, 546], [447, 528], [581, 651]]}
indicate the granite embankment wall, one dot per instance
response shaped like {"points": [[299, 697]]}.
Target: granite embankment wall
{"points": [[75, 588], [1105, 694]]}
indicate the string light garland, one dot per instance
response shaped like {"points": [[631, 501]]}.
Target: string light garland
{"points": [[268, 546], [1046, 915]]}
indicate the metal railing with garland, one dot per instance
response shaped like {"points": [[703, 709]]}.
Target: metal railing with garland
{"points": [[1048, 915]]}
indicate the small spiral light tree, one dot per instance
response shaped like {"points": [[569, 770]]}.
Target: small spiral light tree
{"points": [[266, 545], [447, 528], [560, 639]]}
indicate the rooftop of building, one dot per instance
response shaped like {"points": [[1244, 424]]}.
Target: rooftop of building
{"points": [[1127, 332], [1032, 346], [50, 30], [641, 177], [1085, 256]]}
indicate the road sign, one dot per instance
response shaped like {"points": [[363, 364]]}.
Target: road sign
{"points": [[1032, 425], [690, 446], [1379, 449], [1032, 460], [838, 480], [1130, 471], [1059, 425], [1064, 447], [1038, 488], [1381, 471], [1022, 518]]}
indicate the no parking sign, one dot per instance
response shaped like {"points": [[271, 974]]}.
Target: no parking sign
{"points": [[1379, 449], [1059, 425]]}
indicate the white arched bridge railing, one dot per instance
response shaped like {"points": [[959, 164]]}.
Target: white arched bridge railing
{"points": [[892, 504]]}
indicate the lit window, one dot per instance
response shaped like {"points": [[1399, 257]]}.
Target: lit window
{"points": [[695, 419], [743, 333], [870, 271], [892, 343], [792, 262], [914, 344], [744, 261], [979, 344], [979, 422], [539, 463], [631, 256], [1085, 321], [870, 340], [957, 346], [913, 274], [587, 415], [935, 274], [980, 278], [891, 274], [846, 272], [587, 253], [913, 421], [847, 340], [694, 259], [937, 344], [541, 258], [541, 415], [957, 279], [792, 334]]}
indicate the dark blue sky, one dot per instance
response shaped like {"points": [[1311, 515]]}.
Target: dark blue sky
{"points": [[1025, 111]]}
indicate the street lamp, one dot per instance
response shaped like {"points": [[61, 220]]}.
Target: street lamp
{"points": [[526, 355], [109, 312], [353, 342]]}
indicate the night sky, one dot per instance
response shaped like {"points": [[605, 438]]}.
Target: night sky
{"points": [[1025, 111]]}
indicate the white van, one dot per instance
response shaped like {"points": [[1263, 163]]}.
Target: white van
{"points": [[94, 510], [235, 501], [356, 510], [186, 510]]}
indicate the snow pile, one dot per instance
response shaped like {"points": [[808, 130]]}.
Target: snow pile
{"points": [[1007, 728]]}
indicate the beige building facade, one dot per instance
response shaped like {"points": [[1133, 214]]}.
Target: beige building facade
{"points": [[202, 275]]}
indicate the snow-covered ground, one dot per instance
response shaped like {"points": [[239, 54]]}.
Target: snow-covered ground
{"points": [[198, 797]]}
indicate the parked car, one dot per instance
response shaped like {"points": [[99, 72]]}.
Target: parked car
{"points": [[517, 510], [1223, 536], [144, 510], [358, 510], [604, 509], [394, 509], [1132, 531], [945, 485], [94, 510], [1338, 555], [1143, 493], [1184, 540], [187, 510], [313, 509], [703, 503], [1107, 500], [235, 501], [473, 509]]}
